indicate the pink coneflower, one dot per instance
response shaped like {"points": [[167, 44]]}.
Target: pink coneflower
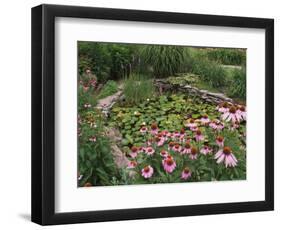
{"points": [[147, 172], [149, 151], [186, 149], [154, 129], [168, 135], [205, 120], [205, 150], [143, 129], [224, 107], [92, 139], [216, 125], [87, 105], [186, 173], [85, 88], [132, 164], [169, 164], [241, 111], [220, 141], [231, 115], [182, 133], [149, 142], [175, 134], [176, 147], [199, 136], [227, 156], [164, 153], [191, 124], [141, 149], [165, 134], [213, 124], [194, 129], [134, 152], [220, 126], [160, 140], [93, 82], [193, 153], [234, 126], [170, 146]]}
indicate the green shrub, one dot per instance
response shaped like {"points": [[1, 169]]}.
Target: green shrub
{"points": [[138, 88], [105, 60], [94, 56], [164, 60], [96, 163], [85, 96], [108, 89], [210, 72], [238, 86], [227, 56]]}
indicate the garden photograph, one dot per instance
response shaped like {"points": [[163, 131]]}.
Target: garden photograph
{"points": [[150, 114]]}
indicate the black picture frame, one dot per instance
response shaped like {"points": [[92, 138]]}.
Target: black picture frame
{"points": [[43, 113]]}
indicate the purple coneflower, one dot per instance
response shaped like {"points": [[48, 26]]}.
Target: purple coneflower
{"points": [[205, 119], [234, 126], [143, 129], [175, 135], [85, 88], [134, 152], [231, 115], [176, 147], [165, 134], [147, 172], [186, 173], [193, 153], [154, 129], [205, 150], [220, 141], [92, 139], [169, 164], [160, 140], [149, 142], [227, 156], [241, 111], [132, 164], [186, 149], [224, 107], [182, 133], [164, 153], [199, 136], [149, 151], [191, 124], [170, 145]]}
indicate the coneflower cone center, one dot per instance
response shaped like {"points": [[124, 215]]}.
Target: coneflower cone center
{"points": [[232, 109], [226, 150]]}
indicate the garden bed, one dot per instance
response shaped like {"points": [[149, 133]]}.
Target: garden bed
{"points": [[147, 127]]}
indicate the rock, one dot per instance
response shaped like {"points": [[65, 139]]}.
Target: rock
{"points": [[120, 159], [214, 98]]}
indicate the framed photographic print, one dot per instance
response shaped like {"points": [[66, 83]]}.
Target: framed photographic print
{"points": [[141, 114]]}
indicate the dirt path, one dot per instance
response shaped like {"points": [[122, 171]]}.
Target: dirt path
{"points": [[106, 103]]}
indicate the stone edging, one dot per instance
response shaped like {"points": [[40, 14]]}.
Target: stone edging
{"points": [[214, 98]]}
